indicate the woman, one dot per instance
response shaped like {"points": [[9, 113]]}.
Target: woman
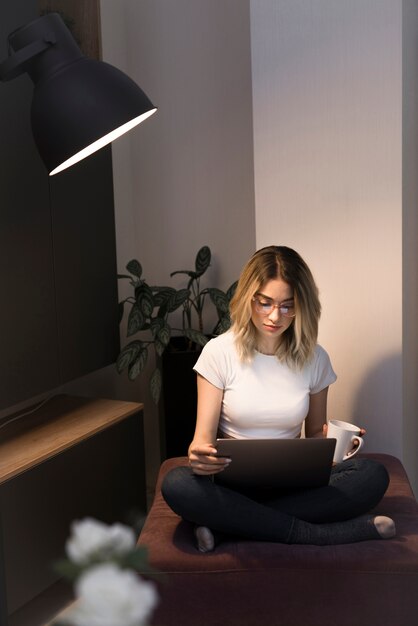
{"points": [[262, 379]]}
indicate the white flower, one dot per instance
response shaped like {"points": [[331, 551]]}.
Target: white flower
{"points": [[109, 596], [94, 540]]}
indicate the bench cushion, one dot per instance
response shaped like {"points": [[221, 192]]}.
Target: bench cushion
{"points": [[251, 583]]}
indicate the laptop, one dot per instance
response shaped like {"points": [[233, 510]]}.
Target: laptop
{"points": [[276, 463]]}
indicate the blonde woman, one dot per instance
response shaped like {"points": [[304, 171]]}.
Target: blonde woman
{"points": [[265, 378]]}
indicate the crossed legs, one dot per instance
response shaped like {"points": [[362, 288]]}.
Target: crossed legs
{"points": [[328, 515]]}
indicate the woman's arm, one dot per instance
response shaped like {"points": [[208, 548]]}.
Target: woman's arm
{"points": [[316, 420], [202, 450], [317, 414]]}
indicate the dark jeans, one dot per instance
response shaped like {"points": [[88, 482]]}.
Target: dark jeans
{"points": [[355, 487]]}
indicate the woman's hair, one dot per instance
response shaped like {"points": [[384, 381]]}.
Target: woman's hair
{"points": [[298, 342]]}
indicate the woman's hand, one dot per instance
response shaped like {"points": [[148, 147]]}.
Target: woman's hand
{"points": [[203, 459]]}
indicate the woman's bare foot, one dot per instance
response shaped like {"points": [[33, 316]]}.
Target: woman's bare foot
{"points": [[385, 526], [205, 539]]}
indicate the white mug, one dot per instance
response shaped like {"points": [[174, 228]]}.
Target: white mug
{"points": [[345, 434]]}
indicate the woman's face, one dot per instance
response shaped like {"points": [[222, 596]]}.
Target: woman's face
{"points": [[271, 325]]}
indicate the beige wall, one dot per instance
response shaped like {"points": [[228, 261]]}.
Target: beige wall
{"points": [[185, 177], [191, 165], [328, 98]]}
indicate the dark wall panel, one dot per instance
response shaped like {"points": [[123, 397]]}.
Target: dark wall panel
{"points": [[85, 265], [58, 311], [28, 347]]}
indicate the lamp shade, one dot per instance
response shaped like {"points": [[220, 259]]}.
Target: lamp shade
{"points": [[79, 104]]}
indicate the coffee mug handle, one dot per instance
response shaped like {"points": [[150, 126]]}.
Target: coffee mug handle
{"points": [[356, 449]]}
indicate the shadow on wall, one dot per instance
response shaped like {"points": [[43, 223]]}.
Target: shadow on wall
{"points": [[378, 407]]}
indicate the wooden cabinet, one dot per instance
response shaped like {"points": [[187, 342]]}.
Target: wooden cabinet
{"points": [[73, 457]]}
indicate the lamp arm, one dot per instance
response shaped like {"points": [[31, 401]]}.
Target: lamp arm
{"points": [[15, 64]]}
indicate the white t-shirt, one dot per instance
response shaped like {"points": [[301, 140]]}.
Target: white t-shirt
{"points": [[263, 399]]}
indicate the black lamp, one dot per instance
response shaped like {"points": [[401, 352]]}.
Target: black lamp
{"points": [[79, 104]]}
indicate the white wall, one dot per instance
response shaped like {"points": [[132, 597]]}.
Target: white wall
{"points": [[328, 104]]}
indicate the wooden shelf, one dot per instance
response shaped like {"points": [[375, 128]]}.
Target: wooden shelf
{"points": [[98, 469], [62, 422]]}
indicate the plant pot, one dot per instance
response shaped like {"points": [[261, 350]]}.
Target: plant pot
{"points": [[179, 396]]}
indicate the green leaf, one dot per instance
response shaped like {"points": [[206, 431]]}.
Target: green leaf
{"points": [[135, 268], [219, 299], [164, 334], [177, 299], [231, 291], [162, 311], [202, 260], [142, 287], [156, 324], [196, 336], [135, 321], [155, 386], [145, 302], [193, 277], [159, 347], [138, 365], [187, 272], [223, 325], [162, 295], [127, 355]]}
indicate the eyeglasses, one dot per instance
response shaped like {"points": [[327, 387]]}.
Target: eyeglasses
{"points": [[265, 307]]}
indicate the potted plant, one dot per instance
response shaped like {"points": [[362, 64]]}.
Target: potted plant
{"points": [[150, 316]]}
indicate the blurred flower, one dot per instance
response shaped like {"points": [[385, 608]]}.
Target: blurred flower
{"points": [[93, 541], [109, 596], [102, 563]]}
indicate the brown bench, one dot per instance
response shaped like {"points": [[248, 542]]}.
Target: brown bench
{"points": [[250, 583]]}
